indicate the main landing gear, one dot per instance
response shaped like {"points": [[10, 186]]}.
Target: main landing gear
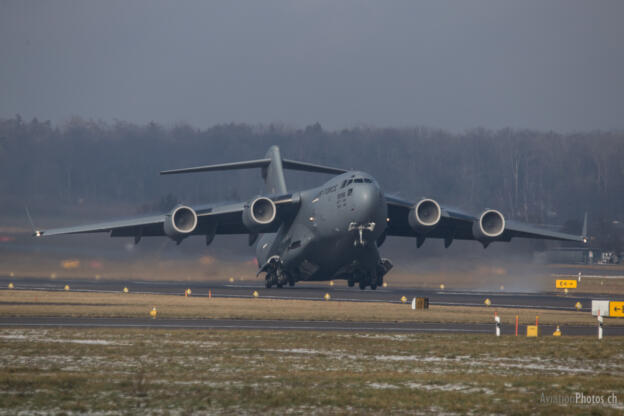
{"points": [[275, 275], [372, 278], [365, 279]]}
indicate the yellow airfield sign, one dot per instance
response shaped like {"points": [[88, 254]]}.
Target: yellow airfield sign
{"points": [[616, 308], [565, 284]]}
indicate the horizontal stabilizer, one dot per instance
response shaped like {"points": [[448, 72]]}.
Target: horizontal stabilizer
{"points": [[310, 167], [259, 163]]}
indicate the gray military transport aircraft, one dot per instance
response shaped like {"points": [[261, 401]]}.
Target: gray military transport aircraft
{"points": [[330, 232]]}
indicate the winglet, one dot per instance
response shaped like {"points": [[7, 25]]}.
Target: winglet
{"points": [[36, 233], [584, 232]]}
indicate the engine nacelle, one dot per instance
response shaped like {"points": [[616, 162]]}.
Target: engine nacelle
{"points": [[425, 215], [259, 214], [491, 224], [181, 222]]}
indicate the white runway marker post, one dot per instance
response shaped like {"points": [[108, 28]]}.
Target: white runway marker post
{"points": [[498, 324], [600, 321]]}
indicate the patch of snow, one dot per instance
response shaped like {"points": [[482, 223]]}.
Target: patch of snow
{"points": [[462, 388], [382, 386]]}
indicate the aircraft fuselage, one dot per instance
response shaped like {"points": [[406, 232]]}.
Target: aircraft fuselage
{"points": [[334, 233]]}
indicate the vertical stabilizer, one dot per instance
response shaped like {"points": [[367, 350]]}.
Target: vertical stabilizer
{"points": [[273, 174]]}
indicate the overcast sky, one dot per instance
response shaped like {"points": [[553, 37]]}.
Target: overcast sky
{"points": [[450, 64]]}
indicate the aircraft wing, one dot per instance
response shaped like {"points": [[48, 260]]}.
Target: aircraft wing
{"points": [[456, 224], [217, 219], [153, 223]]}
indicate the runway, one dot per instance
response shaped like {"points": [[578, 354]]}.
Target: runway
{"points": [[502, 299], [339, 292], [289, 325]]}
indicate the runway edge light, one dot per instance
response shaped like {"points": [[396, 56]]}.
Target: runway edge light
{"points": [[557, 332]]}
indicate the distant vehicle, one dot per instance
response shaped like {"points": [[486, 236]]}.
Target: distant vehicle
{"points": [[330, 232]]}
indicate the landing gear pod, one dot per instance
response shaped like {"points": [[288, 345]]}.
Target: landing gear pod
{"points": [[181, 222], [259, 214]]}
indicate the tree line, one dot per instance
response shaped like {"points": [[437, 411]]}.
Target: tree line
{"points": [[535, 176]]}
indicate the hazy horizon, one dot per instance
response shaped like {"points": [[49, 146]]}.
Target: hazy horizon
{"points": [[553, 65]]}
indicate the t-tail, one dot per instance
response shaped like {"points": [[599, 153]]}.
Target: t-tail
{"points": [[272, 169]]}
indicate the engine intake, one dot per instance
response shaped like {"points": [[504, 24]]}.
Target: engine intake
{"points": [[259, 214], [425, 215], [491, 225], [181, 222]]}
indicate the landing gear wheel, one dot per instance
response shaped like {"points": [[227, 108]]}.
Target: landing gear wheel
{"points": [[291, 283], [279, 285], [351, 283], [268, 284], [362, 285], [373, 286]]}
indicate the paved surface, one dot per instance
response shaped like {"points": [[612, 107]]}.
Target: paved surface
{"points": [[555, 301], [283, 325], [302, 291]]}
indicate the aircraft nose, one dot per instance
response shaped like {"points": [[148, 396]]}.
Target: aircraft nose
{"points": [[366, 201]]}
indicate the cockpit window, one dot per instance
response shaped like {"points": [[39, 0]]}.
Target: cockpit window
{"points": [[358, 180], [344, 183], [350, 181], [367, 180]]}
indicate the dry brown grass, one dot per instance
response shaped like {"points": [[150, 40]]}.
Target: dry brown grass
{"points": [[40, 303], [158, 371]]}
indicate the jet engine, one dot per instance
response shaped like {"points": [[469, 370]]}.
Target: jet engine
{"points": [[181, 222], [259, 214], [425, 215], [490, 225]]}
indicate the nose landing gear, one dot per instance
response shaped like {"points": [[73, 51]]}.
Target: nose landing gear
{"points": [[360, 228]]}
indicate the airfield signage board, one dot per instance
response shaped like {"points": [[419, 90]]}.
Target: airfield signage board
{"points": [[600, 307], [616, 308], [565, 284]]}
